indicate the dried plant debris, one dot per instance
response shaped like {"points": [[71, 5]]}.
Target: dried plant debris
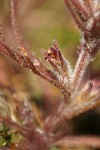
{"points": [[37, 132]]}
